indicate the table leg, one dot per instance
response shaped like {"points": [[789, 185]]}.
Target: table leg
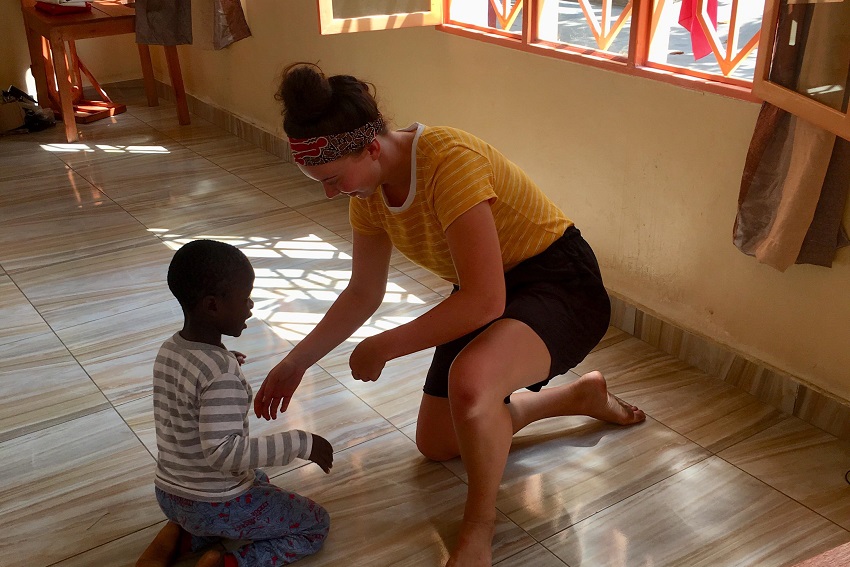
{"points": [[63, 80], [36, 47], [177, 83], [147, 73]]}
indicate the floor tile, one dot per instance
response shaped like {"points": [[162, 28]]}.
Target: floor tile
{"points": [[42, 386], [711, 515], [121, 552], [234, 154], [801, 461], [83, 484], [67, 233], [123, 171], [61, 192], [280, 240], [24, 161], [391, 505], [20, 320], [120, 130], [295, 312], [162, 119], [285, 182], [534, 556], [423, 276], [330, 213], [563, 470], [396, 394], [195, 201], [118, 351], [77, 291]]}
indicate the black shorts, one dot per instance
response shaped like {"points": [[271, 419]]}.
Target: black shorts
{"points": [[560, 295]]}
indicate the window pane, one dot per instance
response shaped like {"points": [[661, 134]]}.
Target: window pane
{"points": [[601, 25], [677, 38], [502, 15], [812, 51], [363, 8]]}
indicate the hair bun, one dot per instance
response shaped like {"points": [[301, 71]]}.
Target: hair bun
{"points": [[316, 105], [305, 92]]}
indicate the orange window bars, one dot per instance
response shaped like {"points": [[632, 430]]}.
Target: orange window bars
{"points": [[705, 44]]}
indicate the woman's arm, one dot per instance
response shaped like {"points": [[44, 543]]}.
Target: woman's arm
{"points": [[360, 299], [476, 253]]}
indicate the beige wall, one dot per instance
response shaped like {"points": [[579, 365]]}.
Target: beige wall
{"points": [[649, 172]]}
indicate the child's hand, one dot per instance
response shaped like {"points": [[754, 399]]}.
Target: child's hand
{"points": [[322, 453], [240, 358]]}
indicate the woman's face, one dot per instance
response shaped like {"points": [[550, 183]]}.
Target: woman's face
{"points": [[357, 175]]}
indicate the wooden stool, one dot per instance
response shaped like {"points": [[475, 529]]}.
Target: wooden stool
{"points": [[58, 72]]}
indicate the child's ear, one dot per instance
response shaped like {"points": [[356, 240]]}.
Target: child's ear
{"points": [[209, 304]]}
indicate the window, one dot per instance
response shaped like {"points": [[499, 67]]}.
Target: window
{"points": [[804, 64], [708, 44], [343, 16]]}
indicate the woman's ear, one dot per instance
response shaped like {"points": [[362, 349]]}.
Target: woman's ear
{"points": [[374, 149]]}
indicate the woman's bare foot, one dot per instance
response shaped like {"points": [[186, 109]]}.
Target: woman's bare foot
{"points": [[474, 546], [599, 403], [163, 549]]}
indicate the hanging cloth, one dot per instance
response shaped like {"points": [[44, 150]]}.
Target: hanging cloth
{"points": [[796, 176], [230, 25], [163, 22], [688, 20]]}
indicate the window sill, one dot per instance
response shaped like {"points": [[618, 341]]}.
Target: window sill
{"points": [[614, 63]]}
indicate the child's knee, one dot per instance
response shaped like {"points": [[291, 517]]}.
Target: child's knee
{"points": [[323, 521]]}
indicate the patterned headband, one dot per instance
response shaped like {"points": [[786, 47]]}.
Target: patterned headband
{"points": [[324, 149]]}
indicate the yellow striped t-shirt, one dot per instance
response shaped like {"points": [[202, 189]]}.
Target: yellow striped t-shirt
{"points": [[454, 172]]}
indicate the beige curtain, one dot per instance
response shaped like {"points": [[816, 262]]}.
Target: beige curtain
{"points": [[797, 176]]}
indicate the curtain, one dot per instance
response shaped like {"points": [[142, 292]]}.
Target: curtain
{"points": [[169, 22], [796, 176], [163, 22], [230, 24]]}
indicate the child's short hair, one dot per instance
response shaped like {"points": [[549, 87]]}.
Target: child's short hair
{"points": [[205, 267]]}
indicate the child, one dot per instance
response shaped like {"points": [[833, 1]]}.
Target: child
{"points": [[207, 480]]}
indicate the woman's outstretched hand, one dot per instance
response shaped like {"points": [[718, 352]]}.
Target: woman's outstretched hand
{"points": [[277, 390]]}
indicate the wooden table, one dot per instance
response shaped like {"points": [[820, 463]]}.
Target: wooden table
{"points": [[58, 71]]}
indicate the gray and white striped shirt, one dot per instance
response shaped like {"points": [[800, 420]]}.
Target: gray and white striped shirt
{"points": [[201, 401]]}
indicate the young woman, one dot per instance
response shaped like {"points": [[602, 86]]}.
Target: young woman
{"points": [[528, 301]]}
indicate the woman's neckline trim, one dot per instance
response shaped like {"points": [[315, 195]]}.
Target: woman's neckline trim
{"points": [[411, 192]]}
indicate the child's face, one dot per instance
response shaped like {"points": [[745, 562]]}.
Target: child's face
{"points": [[235, 307]]}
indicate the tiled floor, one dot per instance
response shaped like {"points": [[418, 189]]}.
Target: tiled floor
{"points": [[712, 478]]}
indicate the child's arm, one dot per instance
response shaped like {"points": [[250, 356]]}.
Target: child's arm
{"points": [[224, 433]]}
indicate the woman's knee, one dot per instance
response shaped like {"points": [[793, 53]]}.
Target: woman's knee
{"points": [[435, 449], [435, 432], [471, 391]]}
